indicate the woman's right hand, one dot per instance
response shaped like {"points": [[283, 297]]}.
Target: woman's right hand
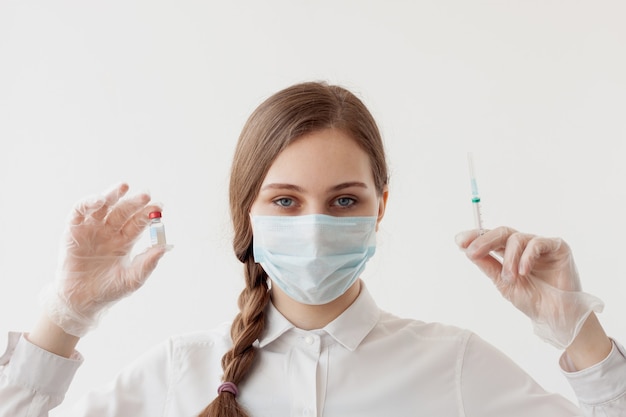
{"points": [[96, 269]]}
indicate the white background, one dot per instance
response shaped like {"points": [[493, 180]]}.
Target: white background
{"points": [[155, 93]]}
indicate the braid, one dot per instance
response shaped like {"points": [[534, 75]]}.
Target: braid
{"points": [[245, 330]]}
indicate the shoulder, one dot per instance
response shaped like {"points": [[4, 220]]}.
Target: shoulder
{"points": [[420, 329], [183, 347], [415, 338], [212, 343], [218, 336], [442, 339], [200, 351]]}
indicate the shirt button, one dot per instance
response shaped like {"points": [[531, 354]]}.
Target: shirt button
{"points": [[309, 340]]}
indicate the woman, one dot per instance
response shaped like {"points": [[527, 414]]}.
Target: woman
{"points": [[308, 191]]}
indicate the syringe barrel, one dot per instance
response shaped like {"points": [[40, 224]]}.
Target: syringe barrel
{"points": [[478, 219]]}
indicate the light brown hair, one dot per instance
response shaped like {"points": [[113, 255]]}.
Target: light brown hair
{"points": [[278, 121]]}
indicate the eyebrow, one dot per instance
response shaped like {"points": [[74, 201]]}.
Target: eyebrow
{"points": [[292, 187]]}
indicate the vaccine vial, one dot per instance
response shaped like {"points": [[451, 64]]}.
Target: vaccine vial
{"points": [[157, 229]]}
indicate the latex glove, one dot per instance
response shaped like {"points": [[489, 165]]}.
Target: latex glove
{"points": [[538, 275], [95, 269]]}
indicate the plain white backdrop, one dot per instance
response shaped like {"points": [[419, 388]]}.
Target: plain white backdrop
{"points": [[155, 93]]}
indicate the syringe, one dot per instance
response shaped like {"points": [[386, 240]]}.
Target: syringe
{"points": [[478, 221]]}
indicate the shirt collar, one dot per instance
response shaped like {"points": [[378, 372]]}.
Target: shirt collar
{"points": [[349, 329], [275, 325]]}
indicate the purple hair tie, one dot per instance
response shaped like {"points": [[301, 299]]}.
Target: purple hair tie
{"points": [[228, 387]]}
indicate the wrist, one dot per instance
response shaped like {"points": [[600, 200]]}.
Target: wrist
{"points": [[49, 336], [591, 346], [62, 312]]}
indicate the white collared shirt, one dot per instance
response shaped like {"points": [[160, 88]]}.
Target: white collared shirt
{"points": [[365, 363]]}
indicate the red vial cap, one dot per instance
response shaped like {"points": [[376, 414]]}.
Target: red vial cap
{"points": [[154, 215]]}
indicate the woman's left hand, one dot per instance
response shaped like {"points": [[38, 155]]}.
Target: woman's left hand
{"points": [[538, 275]]}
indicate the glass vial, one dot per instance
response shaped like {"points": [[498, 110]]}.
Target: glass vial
{"points": [[157, 229]]}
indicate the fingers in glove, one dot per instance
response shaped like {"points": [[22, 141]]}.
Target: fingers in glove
{"points": [[504, 243], [125, 209], [85, 209], [490, 267], [111, 197], [463, 239], [138, 222], [515, 246], [535, 249], [491, 241], [142, 266], [502, 265]]}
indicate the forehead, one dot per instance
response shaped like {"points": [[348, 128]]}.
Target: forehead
{"points": [[321, 156]]}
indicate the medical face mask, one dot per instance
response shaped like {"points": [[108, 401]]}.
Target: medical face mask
{"points": [[314, 258]]}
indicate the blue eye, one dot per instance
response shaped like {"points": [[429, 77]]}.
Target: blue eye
{"points": [[345, 201], [284, 202]]}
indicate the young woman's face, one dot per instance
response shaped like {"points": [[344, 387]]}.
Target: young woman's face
{"points": [[324, 172]]}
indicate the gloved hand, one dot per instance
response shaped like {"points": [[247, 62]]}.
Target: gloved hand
{"points": [[538, 276], [95, 269]]}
